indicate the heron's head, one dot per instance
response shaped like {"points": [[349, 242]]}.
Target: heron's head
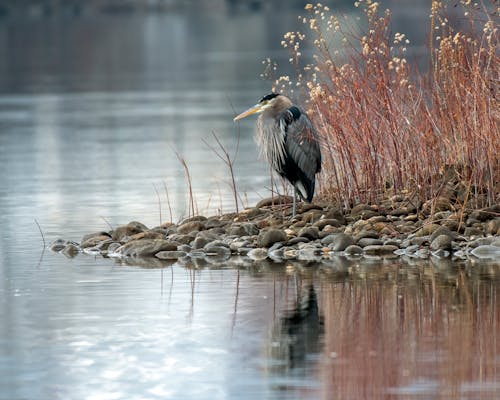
{"points": [[269, 102]]}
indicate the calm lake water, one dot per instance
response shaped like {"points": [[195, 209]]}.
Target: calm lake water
{"points": [[93, 110]]}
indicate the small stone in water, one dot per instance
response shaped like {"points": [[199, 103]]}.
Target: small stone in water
{"points": [[170, 254], [257, 254]]}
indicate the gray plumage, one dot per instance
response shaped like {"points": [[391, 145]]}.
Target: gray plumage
{"points": [[288, 141]]}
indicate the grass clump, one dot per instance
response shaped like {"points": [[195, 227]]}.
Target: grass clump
{"points": [[388, 129]]}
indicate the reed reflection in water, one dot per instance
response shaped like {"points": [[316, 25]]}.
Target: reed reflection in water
{"points": [[394, 331]]}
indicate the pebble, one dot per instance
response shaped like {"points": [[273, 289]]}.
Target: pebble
{"points": [[269, 237], [170, 254], [257, 254], [353, 250], [441, 242], [341, 242]]}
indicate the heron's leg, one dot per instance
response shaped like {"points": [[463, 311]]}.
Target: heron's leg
{"points": [[294, 209]]}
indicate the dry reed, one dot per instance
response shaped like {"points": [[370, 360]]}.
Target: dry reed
{"points": [[385, 127]]}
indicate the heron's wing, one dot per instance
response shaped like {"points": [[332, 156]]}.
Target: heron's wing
{"points": [[301, 141]]}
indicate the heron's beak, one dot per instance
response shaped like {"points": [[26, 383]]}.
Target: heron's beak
{"points": [[252, 110]]}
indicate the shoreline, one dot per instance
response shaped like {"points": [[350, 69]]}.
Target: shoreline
{"points": [[396, 228]]}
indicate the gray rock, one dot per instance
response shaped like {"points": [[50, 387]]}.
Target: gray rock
{"points": [[493, 227], [486, 251], [132, 228], [443, 230], [441, 242], [320, 224], [269, 237], [199, 242], [422, 253], [441, 253], [353, 250], [368, 241], [58, 245], [310, 232], [70, 250], [196, 218], [276, 254], [341, 242], [309, 254], [92, 235], [329, 239], [170, 254], [113, 247], [379, 250], [257, 254], [94, 240], [145, 247], [297, 240], [184, 247], [217, 250], [191, 226]]}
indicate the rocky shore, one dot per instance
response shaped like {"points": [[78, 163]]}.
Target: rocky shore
{"points": [[396, 228]]}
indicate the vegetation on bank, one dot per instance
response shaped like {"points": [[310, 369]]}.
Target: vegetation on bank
{"points": [[388, 129]]}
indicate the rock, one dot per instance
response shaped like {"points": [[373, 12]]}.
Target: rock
{"points": [[251, 213], [147, 235], [435, 205], [310, 232], [427, 230], [87, 238], [217, 250], [321, 223], [485, 213], [419, 240], [257, 254], [441, 242], [113, 247], [486, 251], [493, 227], [309, 254], [441, 253], [341, 242], [196, 218], [274, 200], [70, 250], [245, 229], [170, 254], [443, 230], [363, 242], [58, 245], [199, 242], [145, 247], [380, 250], [471, 231], [422, 253], [184, 247], [311, 216], [353, 250], [182, 239], [269, 237], [297, 240], [132, 228], [190, 226], [276, 254]]}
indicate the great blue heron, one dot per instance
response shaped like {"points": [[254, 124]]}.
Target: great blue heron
{"points": [[289, 142]]}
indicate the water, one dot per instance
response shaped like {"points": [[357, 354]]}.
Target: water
{"points": [[92, 112]]}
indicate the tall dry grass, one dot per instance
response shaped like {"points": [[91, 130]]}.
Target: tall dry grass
{"points": [[385, 127]]}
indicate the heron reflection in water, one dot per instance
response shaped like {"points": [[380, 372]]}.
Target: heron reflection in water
{"points": [[289, 142]]}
